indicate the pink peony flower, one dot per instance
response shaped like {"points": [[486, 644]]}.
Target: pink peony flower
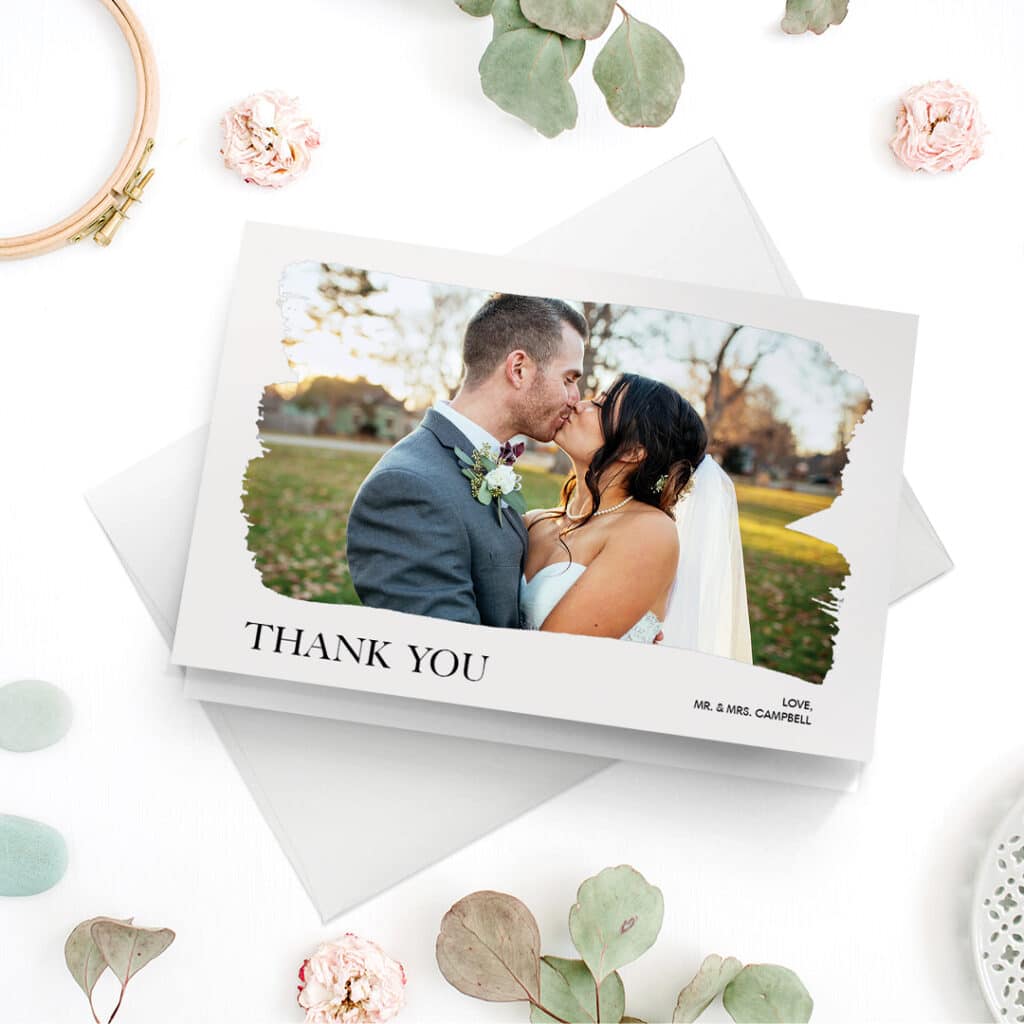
{"points": [[351, 981], [267, 139], [938, 128]]}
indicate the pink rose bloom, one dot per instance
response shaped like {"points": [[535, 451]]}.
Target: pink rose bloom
{"points": [[938, 128], [267, 139], [351, 981]]}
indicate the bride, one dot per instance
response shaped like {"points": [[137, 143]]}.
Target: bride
{"points": [[646, 540]]}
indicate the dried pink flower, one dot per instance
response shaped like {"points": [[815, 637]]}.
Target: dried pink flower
{"points": [[351, 981], [938, 128], [267, 139]]}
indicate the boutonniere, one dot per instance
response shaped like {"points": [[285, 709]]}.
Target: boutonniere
{"points": [[492, 477]]}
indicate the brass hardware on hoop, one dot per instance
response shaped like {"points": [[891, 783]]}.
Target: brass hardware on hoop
{"points": [[109, 222]]}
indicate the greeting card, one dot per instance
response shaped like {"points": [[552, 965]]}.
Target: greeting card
{"points": [[492, 484]]}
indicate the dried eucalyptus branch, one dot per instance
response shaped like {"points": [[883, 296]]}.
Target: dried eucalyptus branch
{"points": [[489, 948], [537, 45], [813, 15], [103, 942]]}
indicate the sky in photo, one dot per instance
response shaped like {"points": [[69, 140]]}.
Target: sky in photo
{"points": [[812, 396]]}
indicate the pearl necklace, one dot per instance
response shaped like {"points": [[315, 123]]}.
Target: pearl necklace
{"points": [[599, 512]]}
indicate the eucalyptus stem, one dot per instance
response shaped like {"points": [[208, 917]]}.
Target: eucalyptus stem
{"points": [[119, 1001]]}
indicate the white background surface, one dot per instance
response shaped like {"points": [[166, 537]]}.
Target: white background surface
{"points": [[106, 356]]}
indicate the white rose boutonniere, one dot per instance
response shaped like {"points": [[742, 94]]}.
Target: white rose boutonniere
{"points": [[504, 479], [492, 478]]}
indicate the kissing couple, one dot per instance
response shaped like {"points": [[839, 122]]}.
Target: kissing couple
{"points": [[644, 545]]}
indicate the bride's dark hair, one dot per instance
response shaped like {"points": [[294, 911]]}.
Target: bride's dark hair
{"points": [[641, 416]]}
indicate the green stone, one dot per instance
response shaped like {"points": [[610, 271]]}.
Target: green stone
{"points": [[33, 715], [33, 856]]}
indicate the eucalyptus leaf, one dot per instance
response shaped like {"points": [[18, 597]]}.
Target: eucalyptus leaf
{"points": [[708, 983], [462, 456], [574, 50], [484, 496], [489, 947], [128, 949], [616, 918], [813, 15], [516, 501], [568, 990], [577, 19], [558, 997], [526, 73], [508, 16], [765, 994], [84, 959], [478, 8], [640, 73]]}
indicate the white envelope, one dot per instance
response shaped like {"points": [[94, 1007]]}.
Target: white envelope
{"points": [[688, 220]]}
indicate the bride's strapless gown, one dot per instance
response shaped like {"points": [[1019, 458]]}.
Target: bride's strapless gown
{"points": [[538, 597]]}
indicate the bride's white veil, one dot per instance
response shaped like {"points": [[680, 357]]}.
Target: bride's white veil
{"points": [[707, 610]]}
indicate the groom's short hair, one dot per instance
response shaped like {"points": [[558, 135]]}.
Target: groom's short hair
{"points": [[505, 323]]}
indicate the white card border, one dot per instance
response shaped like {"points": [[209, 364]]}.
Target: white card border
{"points": [[223, 590]]}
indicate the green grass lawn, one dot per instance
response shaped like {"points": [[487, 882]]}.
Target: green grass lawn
{"points": [[297, 501], [790, 582]]}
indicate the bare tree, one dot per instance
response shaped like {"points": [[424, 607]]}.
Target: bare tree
{"points": [[728, 371], [347, 304], [753, 418], [428, 349], [608, 341], [346, 293], [858, 406]]}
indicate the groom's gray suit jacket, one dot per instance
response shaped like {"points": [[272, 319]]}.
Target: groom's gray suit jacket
{"points": [[419, 542]]}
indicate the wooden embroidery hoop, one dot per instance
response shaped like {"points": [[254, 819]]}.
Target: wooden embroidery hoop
{"points": [[106, 211]]}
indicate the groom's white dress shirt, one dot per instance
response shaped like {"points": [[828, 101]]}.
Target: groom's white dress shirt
{"points": [[475, 433]]}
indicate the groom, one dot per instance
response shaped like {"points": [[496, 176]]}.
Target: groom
{"points": [[418, 541]]}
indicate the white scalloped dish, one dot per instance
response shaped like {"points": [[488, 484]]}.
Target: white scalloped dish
{"points": [[999, 920]]}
